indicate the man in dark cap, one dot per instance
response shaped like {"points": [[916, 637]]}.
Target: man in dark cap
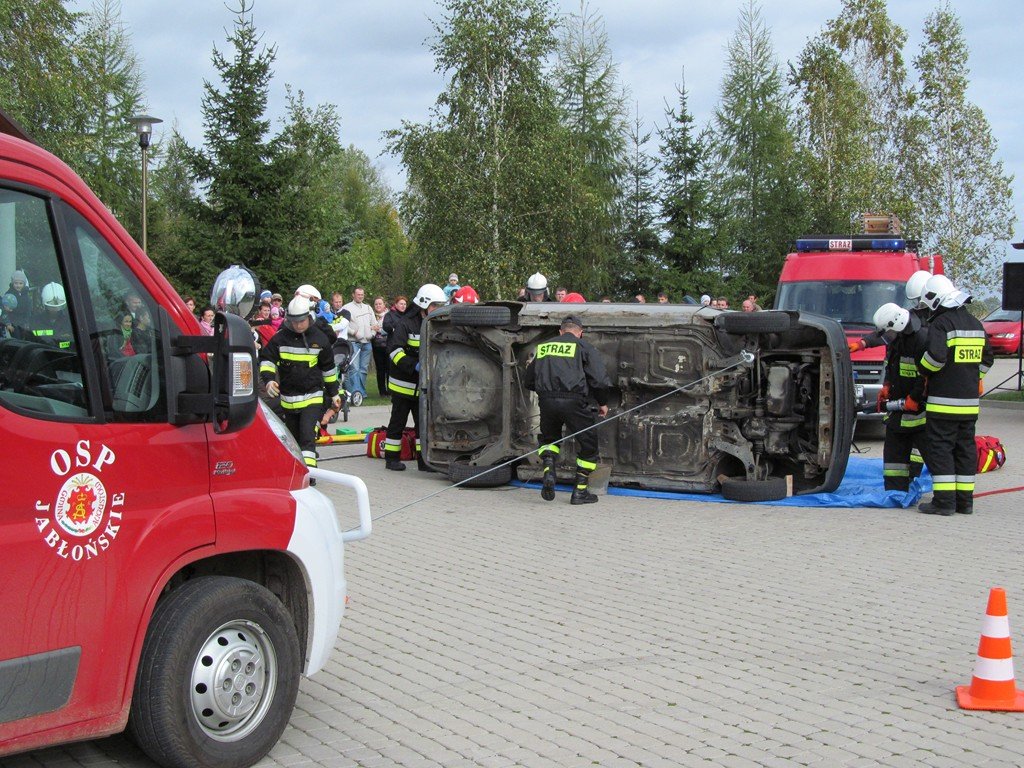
{"points": [[567, 373]]}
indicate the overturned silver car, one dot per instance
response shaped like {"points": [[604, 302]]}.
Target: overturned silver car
{"points": [[756, 405]]}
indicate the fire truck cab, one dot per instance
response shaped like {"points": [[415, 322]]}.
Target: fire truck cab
{"points": [[166, 564], [848, 277]]}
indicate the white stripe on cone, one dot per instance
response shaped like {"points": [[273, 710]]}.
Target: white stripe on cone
{"points": [[996, 670], [995, 626]]}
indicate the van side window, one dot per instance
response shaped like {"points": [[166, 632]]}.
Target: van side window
{"points": [[40, 354], [123, 327]]}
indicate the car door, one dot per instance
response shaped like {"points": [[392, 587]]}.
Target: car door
{"points": [[100, 494]]}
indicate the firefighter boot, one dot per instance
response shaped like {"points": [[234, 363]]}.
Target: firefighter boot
{"points": [[421, 465], [580, 494], [393, 462], [547, 487], [931, 508]]}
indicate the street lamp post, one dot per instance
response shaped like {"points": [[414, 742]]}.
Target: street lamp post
{"points": [[144, 128]]}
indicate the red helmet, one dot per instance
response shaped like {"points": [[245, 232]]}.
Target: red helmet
{"points": [[465, 295], [573, 298]]}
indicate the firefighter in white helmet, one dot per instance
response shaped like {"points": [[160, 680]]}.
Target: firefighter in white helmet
{"points": [[298, 365], [902, 396], [404, 373], [956, 359], [537, 288], [53, 325]]}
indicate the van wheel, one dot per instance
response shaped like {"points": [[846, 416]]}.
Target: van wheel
{"points": [[477, 316], [478, 477], [754, 322], [772, 489], [218, 675]]}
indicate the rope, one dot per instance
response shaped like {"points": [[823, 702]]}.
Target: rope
{"points": [[745, 359]]}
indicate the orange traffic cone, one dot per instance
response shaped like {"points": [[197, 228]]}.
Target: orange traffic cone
{"points": [[993, 687]]}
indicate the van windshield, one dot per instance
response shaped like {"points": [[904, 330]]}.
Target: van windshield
{"points": [[850, 302]]}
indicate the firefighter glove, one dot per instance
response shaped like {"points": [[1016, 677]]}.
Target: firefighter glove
{"points": [[856, 346], [883, 395], [981, 387], [910, 404]]}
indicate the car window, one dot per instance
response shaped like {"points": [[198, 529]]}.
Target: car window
{"points": [[1003, 315], [123, 326], [40, 354]]}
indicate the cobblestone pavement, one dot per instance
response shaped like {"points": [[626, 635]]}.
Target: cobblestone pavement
{"points": [[490, 628]]}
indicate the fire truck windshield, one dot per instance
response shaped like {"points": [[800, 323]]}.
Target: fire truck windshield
{"points": [[850, 302]]}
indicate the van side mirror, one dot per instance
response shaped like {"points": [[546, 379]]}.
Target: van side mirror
{"points": [[229, 397]]}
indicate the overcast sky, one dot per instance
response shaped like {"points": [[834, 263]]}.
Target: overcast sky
{"points": [[371, 59]]}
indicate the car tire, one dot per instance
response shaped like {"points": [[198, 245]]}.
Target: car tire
{"points": [[460, 471], [772, 489], [754, 322], [210, 630], [478, 316]]}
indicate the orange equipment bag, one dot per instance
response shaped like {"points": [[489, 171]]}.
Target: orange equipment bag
{"points": [[991, 454]]}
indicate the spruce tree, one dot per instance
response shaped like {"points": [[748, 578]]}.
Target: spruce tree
{"points": [[756, 148]]}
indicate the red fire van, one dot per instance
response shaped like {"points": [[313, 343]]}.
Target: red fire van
{"points": [[848, 277], [166, 564]]}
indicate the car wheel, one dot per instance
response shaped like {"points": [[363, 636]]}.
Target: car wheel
{"points": [[772, 489], [477, 316], [218, 675], [754, 322], [478, 477]]}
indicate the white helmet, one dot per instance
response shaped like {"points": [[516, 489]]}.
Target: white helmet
{"points": [[935, 290], [915, 284], [53, 296], [537, 282], [298, 308], [428, 294], [891, 317], [308, 292]]}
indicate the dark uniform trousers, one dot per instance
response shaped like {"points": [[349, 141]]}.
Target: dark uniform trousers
{"points": [[570, 411], [902, 456], [302, 423], [401, 407], [952, 458]]}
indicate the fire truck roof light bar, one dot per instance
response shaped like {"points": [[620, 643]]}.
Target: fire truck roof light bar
{"points": [[804, 245]]}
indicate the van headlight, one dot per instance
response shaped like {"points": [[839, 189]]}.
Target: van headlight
{"points": [[282, 432]]}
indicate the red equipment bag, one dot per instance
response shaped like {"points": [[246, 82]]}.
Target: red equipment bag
{"points": [[375, 444], [991, 454]]}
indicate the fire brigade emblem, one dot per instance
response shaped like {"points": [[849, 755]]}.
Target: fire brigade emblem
{"points": [[80, 505]]}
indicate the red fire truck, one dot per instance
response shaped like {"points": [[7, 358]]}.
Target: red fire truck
{"points": [[166, 564], [848, 277]]}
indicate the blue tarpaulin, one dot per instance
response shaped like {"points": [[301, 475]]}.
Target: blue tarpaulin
{"points": [[862, 486]]}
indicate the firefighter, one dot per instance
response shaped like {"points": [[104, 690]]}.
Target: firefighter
{"points": [[298, 365], [956, 359], [565, 373], [537, 288], [404, 373], [915, 284], [52, 325], [902, 396]]}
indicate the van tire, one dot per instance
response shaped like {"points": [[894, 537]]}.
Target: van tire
{"points": [[479, 316], [478, 477], [754, 322], [738, 489], [200, 630]]}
